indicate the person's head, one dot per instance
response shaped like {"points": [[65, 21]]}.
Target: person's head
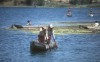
{"points": [[51, 26], [45, 27], [41, 29]]}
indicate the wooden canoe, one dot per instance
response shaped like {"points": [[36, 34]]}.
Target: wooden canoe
{"points": [[36, 46]]}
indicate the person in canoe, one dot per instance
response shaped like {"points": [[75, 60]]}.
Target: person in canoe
{"points": [[69, 13], [96, 24], [46, 34], [29, 23], [91, 12], [69, 9], [41, 36], [50, 34], [44, 40]]}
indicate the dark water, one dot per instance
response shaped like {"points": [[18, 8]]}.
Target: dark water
{"points": [[15, 44]]}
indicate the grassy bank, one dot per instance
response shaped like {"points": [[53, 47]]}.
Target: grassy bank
{"points": [[64, 28], [61, 30]]}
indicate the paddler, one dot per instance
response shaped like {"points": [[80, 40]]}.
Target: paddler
{"points": [[42, 34], [91, 12], [96, 24], [50, 34], [29, 23]]}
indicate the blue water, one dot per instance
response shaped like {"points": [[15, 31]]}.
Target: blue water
{"points": [[45, 15], [15, 44]]}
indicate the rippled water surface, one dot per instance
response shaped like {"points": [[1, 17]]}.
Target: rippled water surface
{"points": [[39, 16], [14, 47], [15, 44]]}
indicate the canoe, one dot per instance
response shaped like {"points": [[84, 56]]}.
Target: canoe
{"points": [[83, 27], [14, 26], [69, 14], [91, 15], [94, 27], [36, 46]]}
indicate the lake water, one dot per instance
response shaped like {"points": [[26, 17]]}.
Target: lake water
{"points": [[15, 44], [39, 16]]}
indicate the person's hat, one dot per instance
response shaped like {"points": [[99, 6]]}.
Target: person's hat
{"points": [[41, 29], [51, 26]]}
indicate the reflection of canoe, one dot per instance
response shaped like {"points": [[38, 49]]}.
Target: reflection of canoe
{"points": [[36, 46]]}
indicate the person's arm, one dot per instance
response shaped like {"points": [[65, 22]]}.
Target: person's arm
{"points": [[53, 36], [46, 34]]}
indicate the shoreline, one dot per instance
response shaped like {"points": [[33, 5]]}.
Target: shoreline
{"points": [[65, 28], [62, 30], [67, 6]]}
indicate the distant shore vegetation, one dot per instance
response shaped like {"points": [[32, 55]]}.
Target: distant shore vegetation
{"points": [[51, 3]]}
